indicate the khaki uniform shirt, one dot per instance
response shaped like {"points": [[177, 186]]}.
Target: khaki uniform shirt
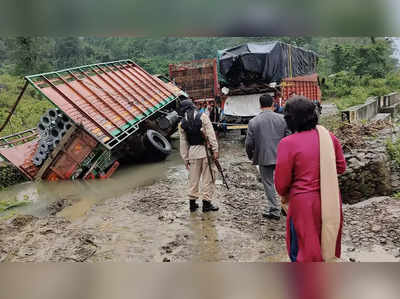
{"points": [[198, 151]]}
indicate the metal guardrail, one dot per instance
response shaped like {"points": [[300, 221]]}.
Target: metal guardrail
{"points": [[18, 138], [371, 108]]}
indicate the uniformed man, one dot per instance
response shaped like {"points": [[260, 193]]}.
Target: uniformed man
{"points": [[192, 129]]}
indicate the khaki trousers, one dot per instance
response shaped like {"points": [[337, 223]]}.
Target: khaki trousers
{"points": [[200, 176]]}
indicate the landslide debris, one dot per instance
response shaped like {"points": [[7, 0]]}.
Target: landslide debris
{"points": [[353, 135], [374, 223]]}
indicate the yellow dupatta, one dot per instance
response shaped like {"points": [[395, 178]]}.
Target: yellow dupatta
{"points": [[330, 197]]}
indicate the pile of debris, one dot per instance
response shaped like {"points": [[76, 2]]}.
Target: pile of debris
{"points": [[368, 172], [352, 135], [374, 221], [52, 127]]}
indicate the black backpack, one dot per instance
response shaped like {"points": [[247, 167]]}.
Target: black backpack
{"points": [[192, 126]]}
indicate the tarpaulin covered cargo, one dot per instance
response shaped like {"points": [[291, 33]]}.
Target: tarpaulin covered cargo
{"points": [[270, 62]]}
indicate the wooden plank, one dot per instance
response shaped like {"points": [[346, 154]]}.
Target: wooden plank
{"points": [[237, 127]]}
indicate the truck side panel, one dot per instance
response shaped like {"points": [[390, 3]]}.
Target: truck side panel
{"points": [[68, 160], [198, 78], [21, 157], [306, 85]]}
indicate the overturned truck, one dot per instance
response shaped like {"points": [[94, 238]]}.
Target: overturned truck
{"points": [[105, 114]]}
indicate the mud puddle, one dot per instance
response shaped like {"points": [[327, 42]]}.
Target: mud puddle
{"points": [[77, 197], [151, 221]]}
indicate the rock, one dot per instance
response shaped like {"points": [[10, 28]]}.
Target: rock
{"points": [[46, 231], [376, 228], [348, 156], [351, 249], [22, 220], [166, 260], [58, 206], [355, 163], [352, 260]]}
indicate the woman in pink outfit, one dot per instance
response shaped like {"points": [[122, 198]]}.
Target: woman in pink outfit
{"points": [[297, 180]]}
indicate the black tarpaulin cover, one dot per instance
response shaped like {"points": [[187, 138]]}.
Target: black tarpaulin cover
{"points": [[269, 62]]}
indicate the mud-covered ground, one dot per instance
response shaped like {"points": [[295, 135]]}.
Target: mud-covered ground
{"points": [[153, 223]]}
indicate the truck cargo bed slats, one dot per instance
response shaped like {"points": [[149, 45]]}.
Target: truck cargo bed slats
{"points": [[198, 78], [108, 99]]}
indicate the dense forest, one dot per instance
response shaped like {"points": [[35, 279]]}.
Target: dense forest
{"points": [[355, 68]]}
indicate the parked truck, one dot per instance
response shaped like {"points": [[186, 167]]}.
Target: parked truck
{"points": [[235, 79], [105, 114]]}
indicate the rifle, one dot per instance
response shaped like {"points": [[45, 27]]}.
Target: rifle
{"points": [[216, 162]]}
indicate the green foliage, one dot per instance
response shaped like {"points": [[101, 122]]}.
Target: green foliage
{"points": [[346, 89], [28, 111], [360, 71], [9, 204], [332, 122], [21, 56], [30, 54], [372, 59], [393, 149], [361, 68]]}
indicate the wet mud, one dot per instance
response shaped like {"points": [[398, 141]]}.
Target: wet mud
{"points": [[151, 222]]}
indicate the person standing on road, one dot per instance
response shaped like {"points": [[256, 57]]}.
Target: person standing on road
{"points": [[307, 166], [192, 129], [264, 133], [202, 108]]}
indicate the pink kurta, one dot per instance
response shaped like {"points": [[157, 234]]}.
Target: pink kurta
{"points": [[297, 176]]}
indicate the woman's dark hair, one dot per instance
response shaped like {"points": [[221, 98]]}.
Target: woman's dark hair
{"points": [[300, 114]]}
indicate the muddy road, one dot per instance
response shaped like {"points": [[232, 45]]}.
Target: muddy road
{"points": [[141, 214]]}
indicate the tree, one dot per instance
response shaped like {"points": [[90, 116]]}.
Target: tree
{"points": [[372, 59], [30, 55], [69, 52]]}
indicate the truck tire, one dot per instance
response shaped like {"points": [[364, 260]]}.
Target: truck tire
{"points": [[157, 144]]}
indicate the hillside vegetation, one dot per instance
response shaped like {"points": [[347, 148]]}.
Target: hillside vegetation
{"points": [[354, 68]]}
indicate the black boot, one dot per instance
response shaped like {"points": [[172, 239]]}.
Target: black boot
{"points": [[193, 205], [208, 206]]}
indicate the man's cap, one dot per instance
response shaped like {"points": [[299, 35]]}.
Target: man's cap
{"points": [[186, 105]]}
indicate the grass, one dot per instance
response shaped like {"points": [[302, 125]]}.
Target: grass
{"points": [[393, 149], [10, 204], [332, 122], [396, 195]]}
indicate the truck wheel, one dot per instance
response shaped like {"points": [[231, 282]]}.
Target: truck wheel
{"points": [[158, 143]]}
